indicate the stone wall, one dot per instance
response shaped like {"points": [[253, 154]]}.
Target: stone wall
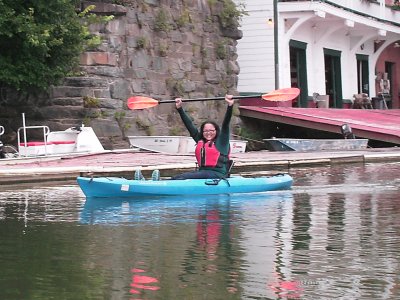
{"points": [[155, 48]]}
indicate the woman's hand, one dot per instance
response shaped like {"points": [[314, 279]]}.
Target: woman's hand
{"points": [[229, 99], [178, 102]]}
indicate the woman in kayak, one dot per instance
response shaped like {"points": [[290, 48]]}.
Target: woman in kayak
{"points": [[212, 149]]}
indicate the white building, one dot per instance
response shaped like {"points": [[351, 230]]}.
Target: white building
{"points": [[337, 47]]}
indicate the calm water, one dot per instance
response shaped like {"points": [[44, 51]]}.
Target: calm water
{"points": [[335, 235]]}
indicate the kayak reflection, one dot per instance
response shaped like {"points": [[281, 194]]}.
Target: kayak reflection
{"points": [[160, 209]]}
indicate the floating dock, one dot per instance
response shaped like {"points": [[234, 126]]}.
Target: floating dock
{"points": [[124, 163], [373, 124]]}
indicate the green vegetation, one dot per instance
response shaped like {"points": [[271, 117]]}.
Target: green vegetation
{"points": [[141, 42], [122, 123], [176, 86], [204, 61], [175, 130], [119, 2], [161, 22], [99, 114], [90, 102], [91, 41], [94, 113], [144, 124], [119, 115], [231, 14], [163, 49], [396, 5], [203, 52], [248, 134], [86, 120], [183, 19], [41, 40], [235, 111], [220, 50]]}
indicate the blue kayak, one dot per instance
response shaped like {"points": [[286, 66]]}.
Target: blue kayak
{"points": [[103, 187]]}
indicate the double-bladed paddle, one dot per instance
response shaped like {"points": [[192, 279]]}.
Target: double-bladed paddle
{"points": [[142, 102]]}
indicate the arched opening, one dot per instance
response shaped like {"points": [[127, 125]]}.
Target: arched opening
{"points": [[388, 68]]}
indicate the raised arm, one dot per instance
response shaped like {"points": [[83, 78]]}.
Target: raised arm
{"points": [[187, 121], [222, 142], [228, 115]]}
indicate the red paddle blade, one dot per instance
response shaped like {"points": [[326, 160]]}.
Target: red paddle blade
{"points": [[282, 94], [141, 102]]}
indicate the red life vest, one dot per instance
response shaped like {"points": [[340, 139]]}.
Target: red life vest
{"points": [[207, 155]]}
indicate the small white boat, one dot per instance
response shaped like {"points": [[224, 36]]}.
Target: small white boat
{"points": [[72, 140], [283, 144], [175, 144]]}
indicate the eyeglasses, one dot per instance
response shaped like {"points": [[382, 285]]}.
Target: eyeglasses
{"points": [[208, 131]]}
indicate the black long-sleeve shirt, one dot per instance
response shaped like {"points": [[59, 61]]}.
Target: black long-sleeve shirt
{"points": [[221, 141]]}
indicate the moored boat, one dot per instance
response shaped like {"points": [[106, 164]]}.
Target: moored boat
{"points": [[175, 144], [72, 140], [289, 144], [104, 187]]}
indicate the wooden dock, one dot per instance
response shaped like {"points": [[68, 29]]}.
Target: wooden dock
{"points": [[374, 124], [124, 163]]}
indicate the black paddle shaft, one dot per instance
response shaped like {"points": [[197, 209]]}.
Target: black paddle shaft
{"points": [[211, 98]]}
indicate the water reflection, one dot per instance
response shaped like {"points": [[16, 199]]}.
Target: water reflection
{"points": [[46, 204], [336, 233], [185, 209], [206, 228], [337, 239]]}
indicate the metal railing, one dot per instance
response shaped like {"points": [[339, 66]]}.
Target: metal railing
{"points": [[24, 151]]}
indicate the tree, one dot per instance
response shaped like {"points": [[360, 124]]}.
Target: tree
{"points": [[40, 41]]}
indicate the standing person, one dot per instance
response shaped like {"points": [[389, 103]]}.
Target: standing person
{"points": [[385, 84], [212, 149], [385, 90]]}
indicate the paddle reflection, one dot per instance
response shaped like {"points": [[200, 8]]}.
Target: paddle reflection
{"points": [[142, 282]]}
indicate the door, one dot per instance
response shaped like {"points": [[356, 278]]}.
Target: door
{"points": [[298, 70], [333, 77], [362, 74], [389, 70]]}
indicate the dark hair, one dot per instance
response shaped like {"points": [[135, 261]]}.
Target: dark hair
{"points": [[216, 126]]}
